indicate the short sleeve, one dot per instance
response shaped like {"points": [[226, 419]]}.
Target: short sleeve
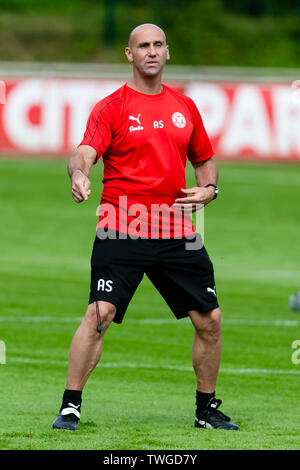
{"points": [[98, 129], [199, 148]]}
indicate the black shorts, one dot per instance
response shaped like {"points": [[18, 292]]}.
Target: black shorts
{"points": [[184, 277]]}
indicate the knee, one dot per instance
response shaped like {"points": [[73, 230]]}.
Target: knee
{"points": [[215, 323], [106, 313], [215, 319], [209, 324]]}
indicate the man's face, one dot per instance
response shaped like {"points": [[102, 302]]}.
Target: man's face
{"points": [[147, 50]]}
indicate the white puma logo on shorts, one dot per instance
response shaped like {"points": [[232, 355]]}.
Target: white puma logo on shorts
{"points": [[209, 289]]}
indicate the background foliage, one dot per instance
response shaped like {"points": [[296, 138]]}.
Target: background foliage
{"points": [[206, 32]]}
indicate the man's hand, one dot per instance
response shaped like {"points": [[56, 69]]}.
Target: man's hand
{"points": [[79, 166], [200, 197], [80, 186]]}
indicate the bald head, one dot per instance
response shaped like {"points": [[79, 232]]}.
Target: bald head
{"points": [[147, 51], [144, 28]]}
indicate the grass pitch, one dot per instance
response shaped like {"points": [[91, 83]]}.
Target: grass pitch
{"points": [[142, 394]]}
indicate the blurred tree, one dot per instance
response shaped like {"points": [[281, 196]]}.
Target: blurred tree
{"points": [[199, 32], [109, 20], [262, 7]]}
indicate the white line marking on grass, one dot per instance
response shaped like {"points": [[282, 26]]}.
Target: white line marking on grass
{"points": [[168, 321], [271, 275], [150, 321], [280, 273], [261, 322], [130, 365], [39, 319]]}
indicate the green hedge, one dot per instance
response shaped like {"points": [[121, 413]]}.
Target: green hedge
{"points": [[206, 32]]}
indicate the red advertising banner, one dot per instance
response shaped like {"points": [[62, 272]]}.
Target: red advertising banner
{"points": [[42, 116]]}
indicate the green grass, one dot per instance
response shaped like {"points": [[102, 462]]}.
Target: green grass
{"points": [[142, 394], [225, 33]]}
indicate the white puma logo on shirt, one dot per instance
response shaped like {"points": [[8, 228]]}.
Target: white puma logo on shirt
{"points": [[137, 119]]}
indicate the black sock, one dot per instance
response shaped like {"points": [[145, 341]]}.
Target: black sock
{"points": [[73, 397], [202, 400]]}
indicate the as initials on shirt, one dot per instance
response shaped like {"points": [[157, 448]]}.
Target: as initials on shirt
{"points": [[158, 124]]}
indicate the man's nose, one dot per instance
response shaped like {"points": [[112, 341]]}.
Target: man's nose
{"points": [[152, 51]]}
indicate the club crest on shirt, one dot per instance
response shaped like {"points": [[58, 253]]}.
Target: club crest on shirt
{"points": [[137, 119], [178, 120]]}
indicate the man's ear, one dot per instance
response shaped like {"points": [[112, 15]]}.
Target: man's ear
{"points": [[168, 53], [128, 54]]}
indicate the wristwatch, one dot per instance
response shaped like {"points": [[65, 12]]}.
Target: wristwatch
{"points": [[216, 189]]}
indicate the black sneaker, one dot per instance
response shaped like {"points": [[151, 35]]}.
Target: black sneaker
{"points": [[67, 419], [211, 417]]}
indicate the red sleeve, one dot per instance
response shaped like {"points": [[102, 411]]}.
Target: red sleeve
{"points": [[98, 132], [199, 148]]}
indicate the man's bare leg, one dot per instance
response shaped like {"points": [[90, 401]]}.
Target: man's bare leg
{"points": [[207, 348], [84, 355], [87, 343], [206, 356]]}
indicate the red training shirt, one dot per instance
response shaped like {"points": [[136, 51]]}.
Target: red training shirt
{"points": [[145, 141]]}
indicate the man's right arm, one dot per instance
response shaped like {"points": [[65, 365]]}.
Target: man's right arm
{"points": [[79, 167]]}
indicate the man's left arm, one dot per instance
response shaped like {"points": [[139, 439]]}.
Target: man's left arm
{"points": [[206, 172]]}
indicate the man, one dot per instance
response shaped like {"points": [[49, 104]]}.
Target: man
{"points": [[145, 131]]}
